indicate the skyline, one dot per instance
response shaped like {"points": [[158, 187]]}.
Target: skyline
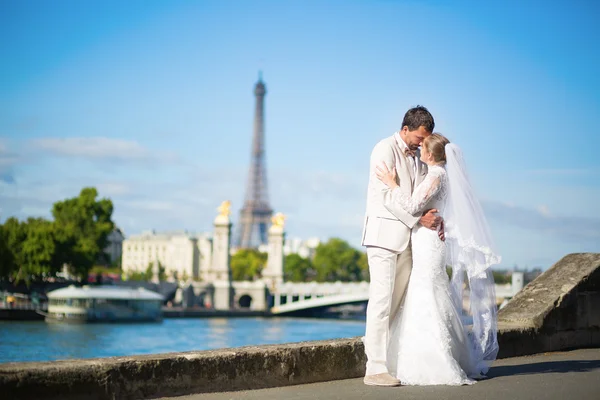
{"points": [[151, 102]]}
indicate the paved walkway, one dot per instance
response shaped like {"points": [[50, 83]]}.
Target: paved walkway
{"points": [[573, 375]]}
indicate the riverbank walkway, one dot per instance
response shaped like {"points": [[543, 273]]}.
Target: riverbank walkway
{"points": [[569, 375]]}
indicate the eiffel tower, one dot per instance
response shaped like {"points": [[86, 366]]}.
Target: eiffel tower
{"points": [[256, 214]]}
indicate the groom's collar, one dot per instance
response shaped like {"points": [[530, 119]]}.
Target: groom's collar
{"points": [[400, 142], [403, 145]]}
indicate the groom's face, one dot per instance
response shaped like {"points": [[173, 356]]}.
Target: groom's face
{"points": [[414, 139]]}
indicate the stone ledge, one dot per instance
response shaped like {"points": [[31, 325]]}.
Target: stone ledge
{"points": [[551, 299], [172, 374], [559, 310], [243, 368]]}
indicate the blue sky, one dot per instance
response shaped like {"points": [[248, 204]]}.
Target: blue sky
{"points": [[151, 102]]}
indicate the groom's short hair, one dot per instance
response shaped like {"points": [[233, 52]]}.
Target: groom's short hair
{"points": [[416, 117]]}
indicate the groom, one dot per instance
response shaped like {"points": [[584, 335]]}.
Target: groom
{"points": [[386, 235]]}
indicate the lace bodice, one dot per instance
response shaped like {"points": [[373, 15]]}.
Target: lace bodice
{"points": [[430, 193]]}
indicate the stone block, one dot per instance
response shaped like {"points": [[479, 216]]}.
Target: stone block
{"points": [[593, 309], [582, 310], [516, 342], [594, 338], [550, 301]]}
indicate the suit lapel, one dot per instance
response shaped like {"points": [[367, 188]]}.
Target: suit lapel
{"points": [[404, 163], [421, 168]]}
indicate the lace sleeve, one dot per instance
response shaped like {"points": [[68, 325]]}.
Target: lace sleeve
{"points": [[423, 193]]}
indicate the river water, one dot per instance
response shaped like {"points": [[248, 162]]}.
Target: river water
{"points": [[39, 341]]}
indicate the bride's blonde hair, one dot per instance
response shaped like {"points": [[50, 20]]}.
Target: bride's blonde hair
{"points": [[435, 144]]}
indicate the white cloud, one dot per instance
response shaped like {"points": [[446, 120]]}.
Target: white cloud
{"points": [[544, 210], [109, 189], [102, 148], [149, 205], [8, 160], [317, 203], [564, 227]]}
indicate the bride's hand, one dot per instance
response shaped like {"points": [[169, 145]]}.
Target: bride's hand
{"points": [[386, 176]]}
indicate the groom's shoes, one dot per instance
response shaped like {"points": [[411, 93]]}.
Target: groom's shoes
{"points": [[384, 379]]}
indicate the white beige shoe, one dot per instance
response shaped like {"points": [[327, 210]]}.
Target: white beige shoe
{"points": [[384, 379]]}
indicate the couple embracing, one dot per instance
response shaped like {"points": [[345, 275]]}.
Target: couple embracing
{"points": [[422, 215]]}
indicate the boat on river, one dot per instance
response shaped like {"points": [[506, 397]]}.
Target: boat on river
{"points": [[103, 303]]}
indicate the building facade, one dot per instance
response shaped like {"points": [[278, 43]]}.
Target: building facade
{"points": [[180, 253]]}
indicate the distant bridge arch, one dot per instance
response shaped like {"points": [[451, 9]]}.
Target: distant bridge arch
{"points": [[317, 303], [297, 298]]}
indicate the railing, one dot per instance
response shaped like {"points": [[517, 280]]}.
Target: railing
{"points": [[28, 306]]}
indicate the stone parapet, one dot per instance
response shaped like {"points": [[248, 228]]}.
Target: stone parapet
{"points": [[559, 310], [151, 376]]}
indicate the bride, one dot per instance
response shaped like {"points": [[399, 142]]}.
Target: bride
{"points": [[432, 341]]}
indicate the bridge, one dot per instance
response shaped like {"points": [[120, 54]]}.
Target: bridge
{"points": [[295, 299], [301, 299], [320, 303], [291, 298]]}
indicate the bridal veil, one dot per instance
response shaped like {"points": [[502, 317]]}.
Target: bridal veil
{"points": [[471, 253]]}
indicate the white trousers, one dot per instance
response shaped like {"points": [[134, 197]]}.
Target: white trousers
{"points": [[389, 272]]}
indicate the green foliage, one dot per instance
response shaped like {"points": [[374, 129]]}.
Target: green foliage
{"points": [[7, 264], [247, 264], [101, 269], [336, 260], [298, 269], [38, 251], [27, 249], [185, 277], [162, 274], [82, 227], [15, 233], [138, 276], [501, 277], [363, 264], [38, 248], [148, 274]]}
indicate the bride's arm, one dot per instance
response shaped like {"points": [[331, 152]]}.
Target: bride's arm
{"points": [[411, 204], [383, 154]]}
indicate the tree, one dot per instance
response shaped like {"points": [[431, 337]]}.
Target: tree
{"points": [[501, 277], [298, 269], [27, 249], [82, 227], [185, 277], [15, 233], [38, 250], [337, 260], [247, 264], [137, 276], [363, 264], [7, 263]]}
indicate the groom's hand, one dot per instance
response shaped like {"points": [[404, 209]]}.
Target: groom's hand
{"points": [[430, 220]]}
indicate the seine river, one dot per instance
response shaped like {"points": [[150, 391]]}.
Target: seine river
{"points": [[39, 341]]}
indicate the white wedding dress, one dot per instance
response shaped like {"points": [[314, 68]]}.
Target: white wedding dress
{"points": [[429, 344]]}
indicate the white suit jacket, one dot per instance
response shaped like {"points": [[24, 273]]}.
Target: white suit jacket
{"points": [[390, 227]]}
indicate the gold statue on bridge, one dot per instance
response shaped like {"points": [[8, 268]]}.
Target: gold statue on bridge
{"points": [[225, 209], [278, 219]]}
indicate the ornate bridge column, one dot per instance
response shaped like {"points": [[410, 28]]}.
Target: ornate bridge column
{"points": [[273, 273], [220, 272]]}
